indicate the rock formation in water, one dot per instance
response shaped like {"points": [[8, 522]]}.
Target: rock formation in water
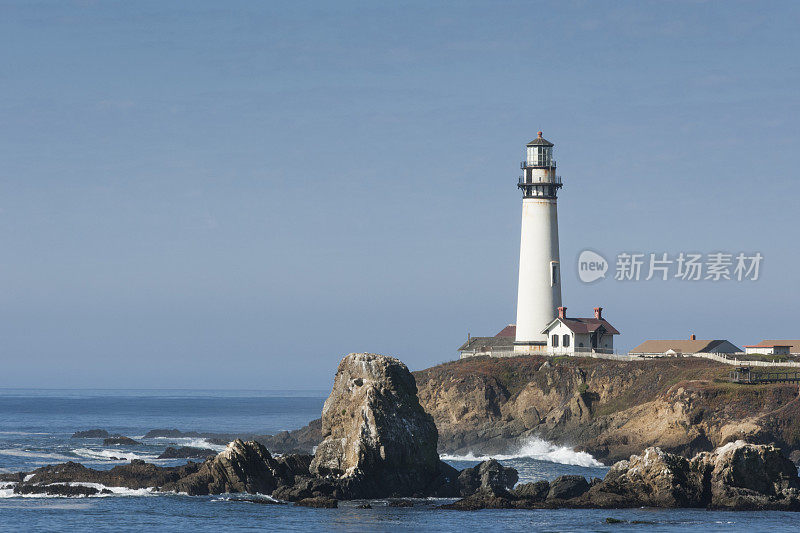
{"points": [[186, 452], [242, 467], [135, 475], [377, 439], [737, 476]]}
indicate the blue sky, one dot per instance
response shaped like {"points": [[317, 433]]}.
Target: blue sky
{"points": [[236, 194]]}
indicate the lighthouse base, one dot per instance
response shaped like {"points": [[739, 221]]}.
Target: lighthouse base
{"points": [[532, 347]]}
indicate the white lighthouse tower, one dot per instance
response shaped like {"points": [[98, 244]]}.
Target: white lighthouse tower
{"points": [[539, 289]]}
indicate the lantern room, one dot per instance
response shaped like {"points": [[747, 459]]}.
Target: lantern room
{"points": [[540, 153]]}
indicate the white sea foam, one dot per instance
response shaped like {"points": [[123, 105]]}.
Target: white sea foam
{"points": [[194, 442], [115, 491], [19, 452], [112, 455], [536, 448]]}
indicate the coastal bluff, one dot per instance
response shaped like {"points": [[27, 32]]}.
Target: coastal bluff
{"points": [[611, 409]]}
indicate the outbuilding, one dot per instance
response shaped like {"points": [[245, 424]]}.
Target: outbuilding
{"points": [[580, 336], [774, 347], [677, 348]]}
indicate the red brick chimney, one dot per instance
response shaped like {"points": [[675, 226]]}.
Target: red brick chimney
{"points": [[692, 337], [562, 312], [598, 313]]}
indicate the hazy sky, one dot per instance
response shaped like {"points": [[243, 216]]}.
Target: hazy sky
{"points": [[237, 194]]}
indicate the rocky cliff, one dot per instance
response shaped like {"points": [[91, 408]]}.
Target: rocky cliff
{"points": [[611, 409]]}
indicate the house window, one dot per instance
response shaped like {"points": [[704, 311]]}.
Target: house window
{"points": [[554, 341], [565, 340]]}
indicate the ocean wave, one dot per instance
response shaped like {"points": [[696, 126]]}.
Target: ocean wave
{"points": [[539, 449], [112, 455], [32, 454], [194, 442]]}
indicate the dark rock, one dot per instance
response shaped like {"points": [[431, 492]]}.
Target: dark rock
{"points": [[364, 506], [488, 475], [302, 440], [536, 491], [320, 502], [565, 487], [186, 452], [288, 467], [401, 503], [378, 441], [242, 467], [483, 500], [13, 476], [305, 488], [57, 490], [136, 475], [737, 476], [91, 434], [119, 440]]}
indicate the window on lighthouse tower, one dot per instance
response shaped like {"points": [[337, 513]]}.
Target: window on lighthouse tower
{"points": [[543, 156]]}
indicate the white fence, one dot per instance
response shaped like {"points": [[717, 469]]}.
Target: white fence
{"points": [[733, 359], [578, 352], [728, 359]]}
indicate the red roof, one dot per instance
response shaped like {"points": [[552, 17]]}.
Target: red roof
{"points": [[773, 344], [508, 331], [588, 325]]}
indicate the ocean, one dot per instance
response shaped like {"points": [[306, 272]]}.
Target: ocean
{"points": [[36, 428]]}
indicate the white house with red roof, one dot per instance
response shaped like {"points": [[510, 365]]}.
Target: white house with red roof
{"points": [[775, 347], [580, 336]]}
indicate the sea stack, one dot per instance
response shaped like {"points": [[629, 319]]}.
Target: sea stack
{"points": [[377, 438]]}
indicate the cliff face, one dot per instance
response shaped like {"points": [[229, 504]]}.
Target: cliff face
{"points": [[611, 409]]}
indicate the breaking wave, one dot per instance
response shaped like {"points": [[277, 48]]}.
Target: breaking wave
{"points": [[46, 456], [194, 442], [112, 455], [539, 449]]}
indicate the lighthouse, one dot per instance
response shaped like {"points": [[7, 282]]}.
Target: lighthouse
{"points": [[539, 288]]}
